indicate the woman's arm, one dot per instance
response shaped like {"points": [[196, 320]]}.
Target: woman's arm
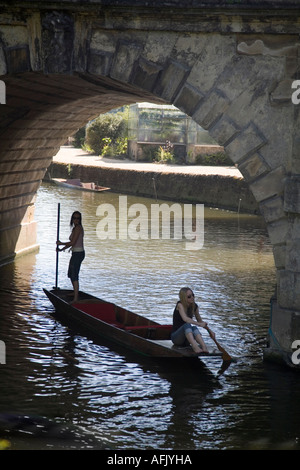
{"points": [[188, 319], [73, 239]]}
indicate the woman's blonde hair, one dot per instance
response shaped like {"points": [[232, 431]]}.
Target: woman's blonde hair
{"points": [[183, 298]]}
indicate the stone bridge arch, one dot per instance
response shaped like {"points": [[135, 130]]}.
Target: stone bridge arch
{"points": [[231, 70]]}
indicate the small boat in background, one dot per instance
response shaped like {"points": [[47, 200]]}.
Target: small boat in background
{"points": [[77, 184]]}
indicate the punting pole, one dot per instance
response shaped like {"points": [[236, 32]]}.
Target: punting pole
{"points": [[57, 238]]}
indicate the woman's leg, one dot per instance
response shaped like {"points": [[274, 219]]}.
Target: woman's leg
{"points": [[196, 340], [73, 271], [191, 334], [179, 337], [76, 290], [200, 341], [191, 339], [183, 334]]}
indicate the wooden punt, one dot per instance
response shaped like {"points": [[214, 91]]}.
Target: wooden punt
{"points": [[77, 184], [119, 325]]}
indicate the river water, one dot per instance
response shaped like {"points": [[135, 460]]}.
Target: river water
{"points": [[108, 397]]}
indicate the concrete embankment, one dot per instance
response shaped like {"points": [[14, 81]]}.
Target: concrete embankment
{"points": [[219, 187]]}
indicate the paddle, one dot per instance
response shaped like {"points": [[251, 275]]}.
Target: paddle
{"points": [[225, 355], [57, 239]]}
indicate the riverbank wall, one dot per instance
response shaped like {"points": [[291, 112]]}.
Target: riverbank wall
{"points": [[218, 191]]}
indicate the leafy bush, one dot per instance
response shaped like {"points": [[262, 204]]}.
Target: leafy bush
{"points": [[216, 159], [79, 138], [165, 153], [149, 152], [107, 133]]}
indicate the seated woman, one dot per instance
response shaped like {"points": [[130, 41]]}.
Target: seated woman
{"points": [[184, 326]]}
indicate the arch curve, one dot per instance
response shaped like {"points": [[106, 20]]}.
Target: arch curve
{"points": [[232, 76]]}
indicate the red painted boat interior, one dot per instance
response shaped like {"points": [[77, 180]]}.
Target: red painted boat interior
{"points": [[103, 311], [107, 312]]}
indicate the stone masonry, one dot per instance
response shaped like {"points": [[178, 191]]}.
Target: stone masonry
{"points": [[230, 65]]}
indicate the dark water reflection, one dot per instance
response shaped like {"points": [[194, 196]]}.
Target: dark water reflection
{"points": [[110, 397]]}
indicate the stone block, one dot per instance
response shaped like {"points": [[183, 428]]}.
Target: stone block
{"points": [[99, 63], [14, 190], [294, 221], [14, 216], [3, 65], [279, 253], [26, 240], [158, 51], [35, 41], [18, 59], [58, 41], [13, 202], [280, 332], [292, 194], [224, 130], [272, 209], [282, 93], [293, 255], [145, 74], [188, 99], [30, 154], [170, 80], [82, 42], [211, 109], [278, 231], [21, 177], [17, 240], [291, 66], [289, 289], [295, 165], [125, 56], [269, 185], [295, 326], [253, 167], [247, 142]]}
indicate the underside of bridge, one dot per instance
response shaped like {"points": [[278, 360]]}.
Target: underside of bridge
{"points": [[231, 68], [51, 108]]}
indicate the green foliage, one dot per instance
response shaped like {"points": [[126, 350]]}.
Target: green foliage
{"points": [[165, 153], [107, 134], [79, 138], [149, 152], [216, 159]]}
